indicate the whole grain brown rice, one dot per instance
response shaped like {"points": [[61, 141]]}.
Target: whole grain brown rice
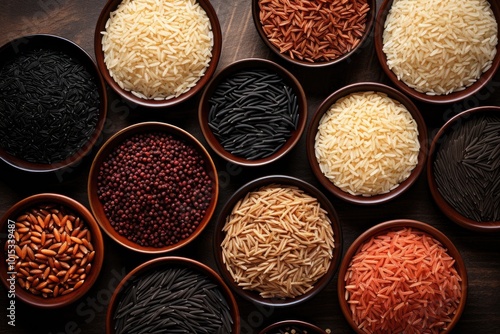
{"points": [[278, 241]]}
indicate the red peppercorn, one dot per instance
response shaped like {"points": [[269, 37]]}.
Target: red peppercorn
{"points": [[147, 183]]}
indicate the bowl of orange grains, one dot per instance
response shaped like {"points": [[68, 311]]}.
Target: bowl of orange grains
{"points": [[314, 33], [53, 252], [402, 276]]}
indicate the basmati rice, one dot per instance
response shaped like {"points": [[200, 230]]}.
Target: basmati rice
{"points": [[403, 281], [367, 143], [157, 49], [279, 242], [440, 46]]}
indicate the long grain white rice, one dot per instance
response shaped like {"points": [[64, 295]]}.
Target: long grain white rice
{"points": [[279, 242], [367, 143], [440, 46], [157, 49]]}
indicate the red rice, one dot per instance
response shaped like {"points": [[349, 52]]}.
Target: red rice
{"points": [[314, 31], [403, 282]]}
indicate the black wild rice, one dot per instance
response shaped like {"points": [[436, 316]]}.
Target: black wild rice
{"points": [[172, 300], [253, 113], [49, 106], [467, 167]]}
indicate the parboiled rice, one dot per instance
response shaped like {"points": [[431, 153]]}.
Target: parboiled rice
{"points": [[157, 49], [440, 46], [279, 242], [367, 143]]}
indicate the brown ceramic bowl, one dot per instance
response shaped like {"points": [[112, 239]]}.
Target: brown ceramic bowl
{"points": [[370, 19], [435, 99], [18, 47], [111, 146], [11, 226], [165, 263], [289, 326], [396, 225], [252, 295], [231, 70], [395, 95], [445, 205], [111, 6]]}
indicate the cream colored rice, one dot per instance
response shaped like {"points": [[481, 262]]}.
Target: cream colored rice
{"points": [[440, 46], [367, 143], [157, 49], [279, 242]]}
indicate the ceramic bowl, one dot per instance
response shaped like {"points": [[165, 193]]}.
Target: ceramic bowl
{"points": [[110, 7], [22, 159], [456, 96], [161, 192], [292, 326], [466, 218], [358, 88], [205, 106], [383, 229], [292, 57], [254, 296], [55, 277]]}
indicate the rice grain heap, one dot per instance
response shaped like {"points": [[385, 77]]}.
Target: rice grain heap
{"points": [[367, 143], [279, 242], [402, 281], [314, 31], [157, 49], [440, 46], [467, 167]]}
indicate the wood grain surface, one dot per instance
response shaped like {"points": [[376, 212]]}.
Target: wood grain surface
{"points": [[76, 21]]}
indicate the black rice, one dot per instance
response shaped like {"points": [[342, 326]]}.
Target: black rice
{"points": [[49, 106], [253, 113], [467, 168], [172, 300]]}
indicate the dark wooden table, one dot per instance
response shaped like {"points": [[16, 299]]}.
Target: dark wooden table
{"points": [[76, 20]]}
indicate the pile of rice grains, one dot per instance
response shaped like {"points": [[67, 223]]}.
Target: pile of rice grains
{"points": [[367, 143], [157, 49], [402, 281], [467, 167], [278, 242], [172, 300], [49, 106], [253, 112], [314, 31], [155, 189], [441, 46]]}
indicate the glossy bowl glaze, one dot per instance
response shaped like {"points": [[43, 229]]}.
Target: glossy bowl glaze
{"points": [[484, 79], [395, 95], [395, 225], [445, 206], [12, 230], [167, 263], [111, 6], [21, 45], [292, 326], [254, 296], [232, 69], [116, 140], [370, 19]]}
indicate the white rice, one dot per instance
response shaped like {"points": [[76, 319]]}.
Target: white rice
{"points": [[157, 49], [367, 143], [440, 46]]}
